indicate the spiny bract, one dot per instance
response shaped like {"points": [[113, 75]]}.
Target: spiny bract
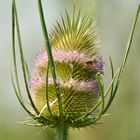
{"points": [[75, 47]]}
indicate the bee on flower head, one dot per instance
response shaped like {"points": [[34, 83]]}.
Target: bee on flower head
{"points": [[95, 63], [91, 62]]}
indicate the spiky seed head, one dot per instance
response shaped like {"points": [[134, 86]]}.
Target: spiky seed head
{"points": [[75, 47]]}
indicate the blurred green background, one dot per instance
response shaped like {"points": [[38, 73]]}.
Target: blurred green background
{"points": [[114, 18]]}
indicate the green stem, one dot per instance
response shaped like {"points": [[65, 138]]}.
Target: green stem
{"points": [[62, 133]]}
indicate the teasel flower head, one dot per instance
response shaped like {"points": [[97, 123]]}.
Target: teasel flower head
{"points": [[66, 88], [75, 50]]}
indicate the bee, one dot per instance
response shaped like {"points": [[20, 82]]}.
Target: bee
{"points": [[91, 63]]}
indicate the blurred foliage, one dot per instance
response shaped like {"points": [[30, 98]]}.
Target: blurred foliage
{"points": [[114, 20]]}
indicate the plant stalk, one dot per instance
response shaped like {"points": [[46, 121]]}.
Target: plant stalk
{"points": [[62, 133]]}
